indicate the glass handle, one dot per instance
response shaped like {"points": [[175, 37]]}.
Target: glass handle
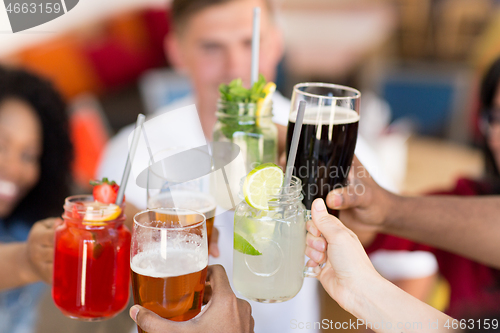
{"points": [[309, 271]]}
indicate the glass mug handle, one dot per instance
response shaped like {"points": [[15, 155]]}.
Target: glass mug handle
{"points": [[309, 271]]}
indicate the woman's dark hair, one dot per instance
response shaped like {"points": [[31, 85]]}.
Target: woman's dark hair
{"points": [[489, 88], [47, 197]]}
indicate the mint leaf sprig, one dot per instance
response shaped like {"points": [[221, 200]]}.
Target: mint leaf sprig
{"points": [[238, 120], [235, 92]]}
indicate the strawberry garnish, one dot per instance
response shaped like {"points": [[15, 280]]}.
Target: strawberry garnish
{"points": [[105, 191]]}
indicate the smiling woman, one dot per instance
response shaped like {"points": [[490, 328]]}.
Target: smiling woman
{"points": [[20, 150], [35, 157], [35, 151]]}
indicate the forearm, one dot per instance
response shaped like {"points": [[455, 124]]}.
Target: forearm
{"points": [[468, 226], [15, 269], [383, 307]]}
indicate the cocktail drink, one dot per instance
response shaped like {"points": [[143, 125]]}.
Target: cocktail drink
{"points": [[249, 126], [244, 117], [91, 262], [269, 246], [169, 259], [198, 201], [327, 139]]}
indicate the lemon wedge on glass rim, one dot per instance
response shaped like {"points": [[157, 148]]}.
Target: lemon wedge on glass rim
{"points": [[97, 214], [261, 183], [269, 90]]}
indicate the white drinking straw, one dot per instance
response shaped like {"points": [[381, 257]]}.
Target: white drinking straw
{"points": [[292, 153], [255, 45], [130, 158]]}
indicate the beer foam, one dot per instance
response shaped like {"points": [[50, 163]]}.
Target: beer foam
{"points": [[177, 262], [322, 115], [198, 201]]}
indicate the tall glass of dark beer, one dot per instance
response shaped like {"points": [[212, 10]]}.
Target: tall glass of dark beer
{"points": [[169, 258], [327, 138]]}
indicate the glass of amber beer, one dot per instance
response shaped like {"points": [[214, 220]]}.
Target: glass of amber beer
{"points": [[189, 195], [189, 191], [169, 258]]}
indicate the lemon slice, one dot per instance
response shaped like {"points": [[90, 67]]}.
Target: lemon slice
{"points": [[98, 213], [269, 90], [261, 183]]}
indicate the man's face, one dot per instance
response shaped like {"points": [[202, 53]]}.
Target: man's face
{"points": [[215, 47]]}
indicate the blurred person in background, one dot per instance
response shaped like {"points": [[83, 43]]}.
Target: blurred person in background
{"points": [[211, 43], [35, 157], [490, 128]]}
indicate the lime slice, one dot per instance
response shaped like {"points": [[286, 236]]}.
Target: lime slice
{"points": [[243, 246], [261, 183], [247, 226]]}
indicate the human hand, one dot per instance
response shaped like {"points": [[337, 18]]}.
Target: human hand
{"points": [[40, 246], [347, 266], [223, 313], [364, 206], [350, 279]]}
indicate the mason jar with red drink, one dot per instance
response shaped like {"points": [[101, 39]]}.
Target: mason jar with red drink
{"points": [[92, 258]]}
